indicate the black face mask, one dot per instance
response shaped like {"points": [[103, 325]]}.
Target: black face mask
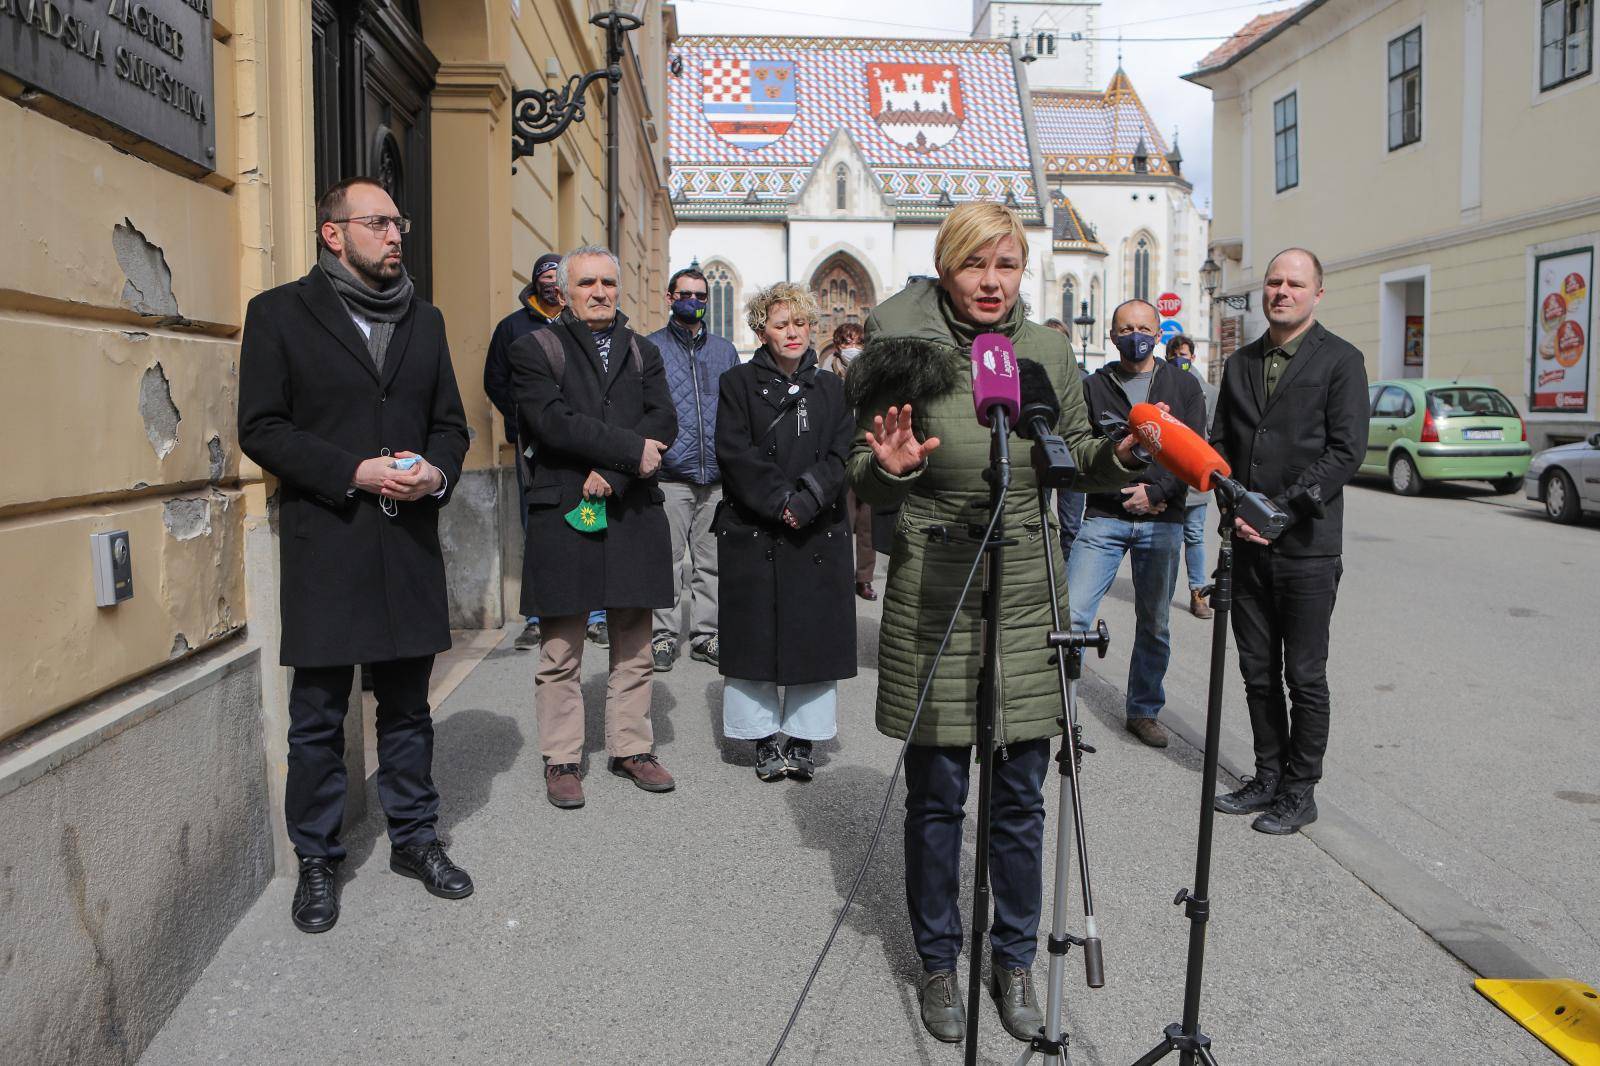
{"points": [[1134, 347], [689, 311]]}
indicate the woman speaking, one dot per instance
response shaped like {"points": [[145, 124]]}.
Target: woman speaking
{"points": [[919, 445]]}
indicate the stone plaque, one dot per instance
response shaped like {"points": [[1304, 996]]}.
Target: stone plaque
{"points": [[143, 65]]}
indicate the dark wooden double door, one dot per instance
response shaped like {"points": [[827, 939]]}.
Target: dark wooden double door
{"points": [[371, 77]]}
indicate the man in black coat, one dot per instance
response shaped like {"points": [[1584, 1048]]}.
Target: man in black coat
{"points": [[347, 396], [592, 399], [1143, 519], [1291, 420]]}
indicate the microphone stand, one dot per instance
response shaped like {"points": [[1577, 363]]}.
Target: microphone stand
{"points": [[999, 478]]}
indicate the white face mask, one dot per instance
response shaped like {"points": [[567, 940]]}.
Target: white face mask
{"points": [[849, 355]]}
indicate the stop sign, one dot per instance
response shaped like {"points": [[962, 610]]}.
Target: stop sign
{"points": [[1169, 304]]}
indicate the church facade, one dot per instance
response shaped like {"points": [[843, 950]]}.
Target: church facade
{"points": [[831, 162]]}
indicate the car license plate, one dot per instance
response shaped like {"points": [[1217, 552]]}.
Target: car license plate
{"points": [[1481, 434]]}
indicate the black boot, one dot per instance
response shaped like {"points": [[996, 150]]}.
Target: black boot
{"points": [[1291, 811], [429, 864], [1255, 794], [316, 897]]}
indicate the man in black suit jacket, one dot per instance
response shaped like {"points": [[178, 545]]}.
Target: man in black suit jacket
{"points": [[343, 375], [592, 399], [1291, 420]]}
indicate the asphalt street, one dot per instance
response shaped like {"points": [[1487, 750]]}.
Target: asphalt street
{"points": [[679, 928]]}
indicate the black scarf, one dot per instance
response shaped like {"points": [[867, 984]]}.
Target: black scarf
{"points": [[382, 311]]}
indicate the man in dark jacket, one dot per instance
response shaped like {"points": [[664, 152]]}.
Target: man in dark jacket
{"points": [[592, 399], [694, 359], [1143, 519], [344, 376], [1291, 420]]}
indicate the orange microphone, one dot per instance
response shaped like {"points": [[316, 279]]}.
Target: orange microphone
{"points": [[1176, 447]]}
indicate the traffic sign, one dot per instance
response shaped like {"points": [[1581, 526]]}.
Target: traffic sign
{"points": [[1169, 304], [1170, 328]]}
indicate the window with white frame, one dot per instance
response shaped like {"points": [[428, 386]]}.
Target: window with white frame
{"points": [[1286, 142], [720, 301], [1566, 41], [1405, 89], [841, 187]]}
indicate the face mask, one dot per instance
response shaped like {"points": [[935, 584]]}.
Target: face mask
{"points": [[1134, 347], [849, 355], [688, 311]]}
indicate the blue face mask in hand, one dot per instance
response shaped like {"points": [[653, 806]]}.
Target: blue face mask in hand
{"points": [[1134, 347], [689, 310]]}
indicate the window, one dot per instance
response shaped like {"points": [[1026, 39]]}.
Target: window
{"points": [[1141, 269], [1069, 300], [1045, 44], [1468, 400], [1405, 89], [1286, 142], [1392, 403], [1566, 41], [841, 187], [719, 306]]}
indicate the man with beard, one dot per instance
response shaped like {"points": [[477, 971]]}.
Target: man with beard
{"points": [[348, 398]]}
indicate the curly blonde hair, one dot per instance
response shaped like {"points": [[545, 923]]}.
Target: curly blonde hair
{"points": [[798, 298]]}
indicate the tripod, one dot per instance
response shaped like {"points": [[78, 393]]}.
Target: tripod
{"points": [[1051, 1043], [1185, 1037]]}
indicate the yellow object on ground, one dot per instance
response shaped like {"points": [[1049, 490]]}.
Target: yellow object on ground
{"points": [[1564, 1014]]}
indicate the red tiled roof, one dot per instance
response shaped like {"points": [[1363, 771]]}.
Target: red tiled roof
{"points": [[1246, 35]]}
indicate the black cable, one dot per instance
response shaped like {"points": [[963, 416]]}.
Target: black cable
{"points": [[894, 778]]}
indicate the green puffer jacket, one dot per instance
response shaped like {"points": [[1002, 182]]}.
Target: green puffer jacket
{"points": [[917, 352]]}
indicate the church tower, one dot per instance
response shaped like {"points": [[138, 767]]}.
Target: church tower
{"points": [[1058, 33]]}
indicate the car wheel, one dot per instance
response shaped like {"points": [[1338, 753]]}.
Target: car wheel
{"points": [[1504, 485], [1561, 497], [1403, 476]]}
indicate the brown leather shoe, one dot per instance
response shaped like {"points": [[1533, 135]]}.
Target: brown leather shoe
{"points": [[1198, 606], [562, 785], [645, 770], [1149, 731]]}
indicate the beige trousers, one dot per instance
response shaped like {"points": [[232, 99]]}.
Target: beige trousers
{"points": [[558, 686]]}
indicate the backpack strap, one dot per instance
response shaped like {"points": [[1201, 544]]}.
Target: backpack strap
{"points": [[555, 354], [633, 350]]}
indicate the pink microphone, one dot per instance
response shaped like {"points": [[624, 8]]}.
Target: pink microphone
{"points": [[995, 378]]}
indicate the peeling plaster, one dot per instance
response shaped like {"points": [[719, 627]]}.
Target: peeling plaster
{"points": [[187, 519], [148, 289], [160, 414], [219, 458], [180, 646]]}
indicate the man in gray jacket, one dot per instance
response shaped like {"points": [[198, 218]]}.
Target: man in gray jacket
{"points": [[694, 358]]}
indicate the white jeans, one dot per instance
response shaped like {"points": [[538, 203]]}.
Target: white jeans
{"points": [[750, 710]]}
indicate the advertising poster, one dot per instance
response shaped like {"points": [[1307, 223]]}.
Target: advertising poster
{"points": [[1561, 321], [1413, 345]]}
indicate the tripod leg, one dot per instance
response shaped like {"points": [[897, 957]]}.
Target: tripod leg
{"points": [[1156, 1054], [1206, 1056]]}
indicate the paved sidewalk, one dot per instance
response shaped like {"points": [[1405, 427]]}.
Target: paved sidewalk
{"points": [[679, 928]]}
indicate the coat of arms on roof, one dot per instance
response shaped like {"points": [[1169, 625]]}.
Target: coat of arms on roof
{"points": [[748, 103], [917, 105]]}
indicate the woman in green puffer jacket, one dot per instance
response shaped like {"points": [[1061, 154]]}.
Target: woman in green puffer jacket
{"points": [[919, 445]]}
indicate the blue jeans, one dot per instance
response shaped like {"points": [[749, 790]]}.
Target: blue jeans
{"points": [[1096, 557], [1194, 545], [750, 710]]}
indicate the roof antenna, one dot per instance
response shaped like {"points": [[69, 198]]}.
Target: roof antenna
{"points": [[1119, 51]]}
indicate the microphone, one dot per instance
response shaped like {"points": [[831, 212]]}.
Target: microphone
{"points": [[1052, 462], [995, 382], [1183, 452]]}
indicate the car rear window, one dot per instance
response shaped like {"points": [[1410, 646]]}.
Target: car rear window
{"points": [[1464, 400]]}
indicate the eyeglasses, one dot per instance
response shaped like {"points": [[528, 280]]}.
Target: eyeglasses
{"points": [[379, 224], [680, 295]]}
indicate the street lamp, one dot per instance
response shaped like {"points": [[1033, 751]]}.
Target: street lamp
{"points": [[1210, 276], [1085, 322]]}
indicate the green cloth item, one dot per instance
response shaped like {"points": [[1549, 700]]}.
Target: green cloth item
{"points": [[589, 516], [1278, 361]]}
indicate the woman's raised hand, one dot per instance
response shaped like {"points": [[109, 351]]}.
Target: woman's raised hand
{"points": [[894, 446]]}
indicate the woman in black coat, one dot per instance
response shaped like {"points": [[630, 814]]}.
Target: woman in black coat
{"points": [[787, 617]]}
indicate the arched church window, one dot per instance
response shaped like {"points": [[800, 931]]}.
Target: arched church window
{"points": [[1069, 300], [720, 299], [1141, 269], [841, 187], [1045, 44]]}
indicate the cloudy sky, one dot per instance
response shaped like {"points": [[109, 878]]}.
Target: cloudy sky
{"points": [[1150, 54]]}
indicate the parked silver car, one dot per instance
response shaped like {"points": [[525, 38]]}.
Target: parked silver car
{"points": [[1566, 479]]}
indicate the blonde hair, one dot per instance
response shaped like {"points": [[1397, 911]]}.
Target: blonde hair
{"points": [[801, 303], [972, 226]]}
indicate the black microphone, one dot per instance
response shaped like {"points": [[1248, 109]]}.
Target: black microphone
{"points": [[1052, 462]]}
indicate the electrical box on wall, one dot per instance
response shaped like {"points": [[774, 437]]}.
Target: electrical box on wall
{"points": [[113, 567]]}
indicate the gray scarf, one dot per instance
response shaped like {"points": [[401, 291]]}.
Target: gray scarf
{"points": [[382, 310]]}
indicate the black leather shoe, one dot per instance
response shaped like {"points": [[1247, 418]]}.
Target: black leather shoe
{"points": [[1019, 1007], [1254, 795], [944, 1011], [1291, 811], [316, 897], [429, 864]]}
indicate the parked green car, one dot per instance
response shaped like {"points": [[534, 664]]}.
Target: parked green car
{"points": [[1424, 430]]}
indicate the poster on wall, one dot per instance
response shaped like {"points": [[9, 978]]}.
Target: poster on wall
{"points": [[1413, 345], [1561, 322]]}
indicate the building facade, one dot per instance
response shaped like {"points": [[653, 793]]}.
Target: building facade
{"points": [[142, 743], [1434, 154]]}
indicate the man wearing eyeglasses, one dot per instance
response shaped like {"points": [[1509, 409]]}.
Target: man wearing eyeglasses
{"points": [[694, 359], [347, 397]]}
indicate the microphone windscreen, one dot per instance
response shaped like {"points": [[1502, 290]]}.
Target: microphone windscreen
{"points": [[1038, 396], [995, 381], [1176, 447]]}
